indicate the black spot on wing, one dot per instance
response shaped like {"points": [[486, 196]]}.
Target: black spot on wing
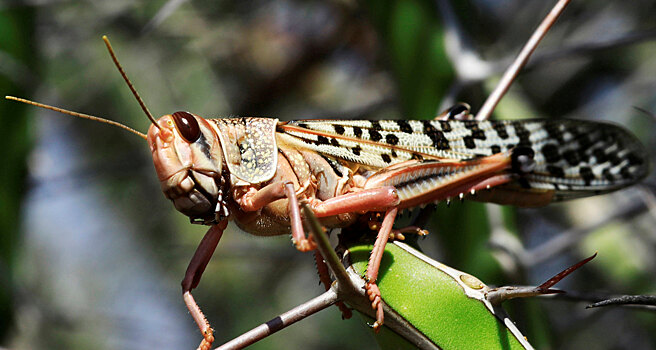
{"points": [[357, 131], [386, 158], [334, 142], [495, 149], [614, 159], [474, 127], [554, 132], [391, 139], [339, 129], [572, 157], [556, 171], [445, 126], [322, 140], [356, 150], [600, 155], [584, 141], [470, 124], [586, 174], [584, 146], [479, 134], [469, 142], [404, 126], [501, 130], [439, 140], [551, 153], [375, 135], [607, 175], [522, 134]]}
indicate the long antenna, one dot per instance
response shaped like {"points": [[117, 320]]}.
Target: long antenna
{"points": [[125, 77], [76, 114], [91, 117]]}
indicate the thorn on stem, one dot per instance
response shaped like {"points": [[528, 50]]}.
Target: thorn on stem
{"points": [[555, 279]]}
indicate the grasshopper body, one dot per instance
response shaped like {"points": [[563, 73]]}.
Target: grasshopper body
{"points": [[217, 171], [255, 170]]}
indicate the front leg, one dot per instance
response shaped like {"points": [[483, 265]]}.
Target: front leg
{"points": [[192, 277], [253, 199]]}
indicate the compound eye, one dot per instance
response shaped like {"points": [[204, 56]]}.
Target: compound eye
{"points": [[187, 126]]}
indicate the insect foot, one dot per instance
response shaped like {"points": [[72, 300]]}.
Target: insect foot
{"points": [[373, 292]]}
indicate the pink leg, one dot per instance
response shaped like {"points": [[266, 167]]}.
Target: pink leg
{"points": [[468, 175], [256, 199], [192, 278], [374, 199], [367, 200], [374, 264], [298, 235]]}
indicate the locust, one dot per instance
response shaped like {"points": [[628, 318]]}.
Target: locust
{"points": [[256, 171]]}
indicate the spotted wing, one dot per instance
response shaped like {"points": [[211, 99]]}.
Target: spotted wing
{"points": [[574, 158]]}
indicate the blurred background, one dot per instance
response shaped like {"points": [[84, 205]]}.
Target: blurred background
{"points": [[92, 254]]}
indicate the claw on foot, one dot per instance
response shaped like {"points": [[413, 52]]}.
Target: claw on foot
{"points": [[208, 339], [374, 296]]}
